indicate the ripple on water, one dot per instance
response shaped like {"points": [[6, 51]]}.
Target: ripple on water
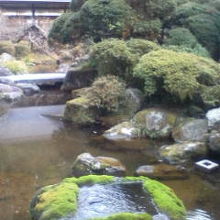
{"points": [[104, 200], [198, 214]]}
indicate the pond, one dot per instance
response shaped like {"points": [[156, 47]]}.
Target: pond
{"points": [[36, 150]]}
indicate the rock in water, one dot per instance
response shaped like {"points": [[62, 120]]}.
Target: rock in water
{"points": [[180, 153], [214, 141], [162, 172], [122, 131], [80, 111], [86, 164], [5, 71], [155, 123], [191, 130], [213, 117]]}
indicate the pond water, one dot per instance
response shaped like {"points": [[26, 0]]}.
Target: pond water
{"points": [[36, 151]]}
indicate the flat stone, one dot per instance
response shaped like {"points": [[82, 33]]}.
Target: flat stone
{"points": [[162, 172]]}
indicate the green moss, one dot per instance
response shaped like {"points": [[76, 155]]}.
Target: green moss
{"points": [[60, 200], [55, 201], [126, 216], [166, 200]]}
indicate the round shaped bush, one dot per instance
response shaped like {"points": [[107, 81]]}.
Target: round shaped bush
{"points": [[180, 74], [106, 18]]}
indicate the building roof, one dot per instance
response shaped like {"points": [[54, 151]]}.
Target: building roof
{"points": [[38, 4]]}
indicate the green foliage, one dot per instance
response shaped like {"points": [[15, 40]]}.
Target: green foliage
{"points": [[140, 47], [211, 96], [16, 66], [56, 30], [22, 49], [179, 74], [7, 47], [206, 30], [159, 8], [75, 5], [149, 29], [203, 21], [184, 41], [106, 18], [107, 93], [118, 57], [112, 57]]}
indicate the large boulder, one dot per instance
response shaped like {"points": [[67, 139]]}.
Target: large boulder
{"points": [[162, 171], [5, 57], [213, 117], [5, 71], [86, 164], [10, 93], [80, 111], [180, 153], [191, 130], [122, 131], [155, 122], [28, 88], [77, 78], [214, 141], [62, 200]]}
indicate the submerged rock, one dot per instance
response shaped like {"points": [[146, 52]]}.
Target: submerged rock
{"points": [[122, 131], [162, 171], [80, 111], [214, 141], [86, 164], [60, 200], [179, 153], [191, 130], [155, 123]]}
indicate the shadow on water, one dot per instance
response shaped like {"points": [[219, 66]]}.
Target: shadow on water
{"points": [[36, 151]]}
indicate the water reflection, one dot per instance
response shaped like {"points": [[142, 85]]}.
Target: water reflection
{"points": [[37, 151], [198, 214]]}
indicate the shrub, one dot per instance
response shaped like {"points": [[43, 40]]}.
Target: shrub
{"points": [[22, 49], [150, 29], [205, 28], [16, 66], [140, 47], [159, 8], [112, 57], [107, 93], [56, 32], [75, 5], [185, 41], [106, 18], [7, 47], [179, 74]]}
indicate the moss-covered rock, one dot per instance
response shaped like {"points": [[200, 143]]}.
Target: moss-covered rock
{"points": [[181, 75], [60, 200], [80, 111], [180, 153], [154, 123]]}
